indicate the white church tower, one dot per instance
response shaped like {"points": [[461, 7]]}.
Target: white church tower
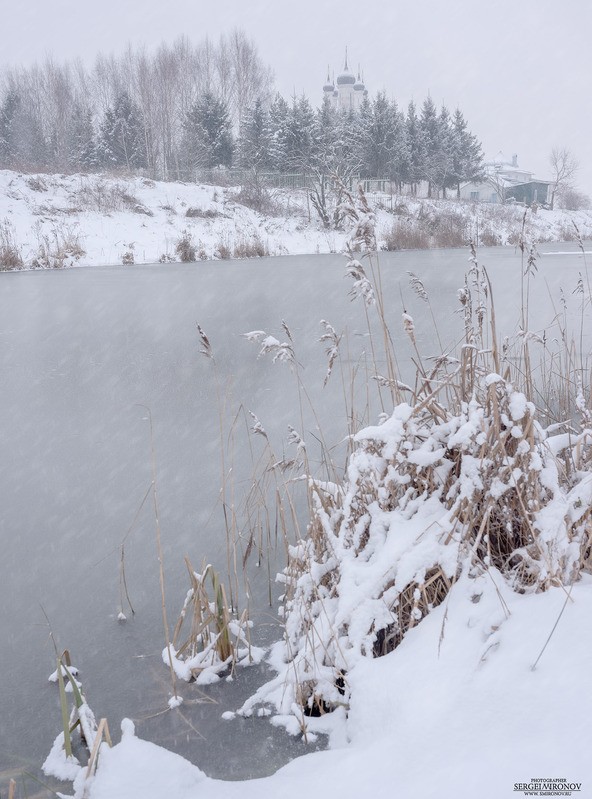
{"points": [[348, 92]]}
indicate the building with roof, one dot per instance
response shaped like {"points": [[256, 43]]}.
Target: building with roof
{"points": [[505, 181], [347, 92]]}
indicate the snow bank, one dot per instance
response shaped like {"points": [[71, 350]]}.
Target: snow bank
{"points": [[455, 711]]}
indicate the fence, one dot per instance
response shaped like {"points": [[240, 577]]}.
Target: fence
{"points": [[289, 180]]}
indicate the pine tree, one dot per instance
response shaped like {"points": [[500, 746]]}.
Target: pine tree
{"points": [[22, 144], [383, 141], [207, 140], [401, 152], [416, 149], [348, 144], [431, 132], [445, 178], [300, 135], [8, 143], [82, 146], [325, 137], [122, 140], [467, 155], [254, 141], [278, 139]]}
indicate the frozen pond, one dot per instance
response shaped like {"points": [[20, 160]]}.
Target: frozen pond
{"points": [[83, 352]]}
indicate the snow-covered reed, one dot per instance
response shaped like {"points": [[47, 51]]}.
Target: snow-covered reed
{"points": [[218, 641], [63, 761], [484, 463]]}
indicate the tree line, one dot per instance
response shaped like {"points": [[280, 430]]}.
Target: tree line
{"points": [[380, 141], [129, 111], [189, 108]]}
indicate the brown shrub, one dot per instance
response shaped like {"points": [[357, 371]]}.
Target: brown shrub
{"points": [[185, 248], [250, 248], [10, 254], [202, 213]]}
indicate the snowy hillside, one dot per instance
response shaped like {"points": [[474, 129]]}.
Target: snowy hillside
{"points": [[92, 220]]}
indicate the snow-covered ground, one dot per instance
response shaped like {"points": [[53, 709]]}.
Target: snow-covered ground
{"points": [[91, 220], [456, 712]]}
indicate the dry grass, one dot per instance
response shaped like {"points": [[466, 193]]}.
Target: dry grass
{"points": [[223, 250], [209, 617], [105, 197], [185, 248], [488, 238], [58, 248], [37, 183], [431, 228], [202, 213], [10, 252], [407, 235], [256, 194], [252, 247], [217, 640]]}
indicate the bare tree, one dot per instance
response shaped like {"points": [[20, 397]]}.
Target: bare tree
{"points": [[49, 109], [251, 79], [565, 166], [498, 183]]}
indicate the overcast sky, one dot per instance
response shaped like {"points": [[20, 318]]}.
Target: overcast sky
{"points": [[520, 70]]}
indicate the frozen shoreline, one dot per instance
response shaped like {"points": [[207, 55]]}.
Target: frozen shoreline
{"points": [[418, 713]]}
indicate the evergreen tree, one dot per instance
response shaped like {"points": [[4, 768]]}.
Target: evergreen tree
{"points": [[325, 137], [8, 114], [348, 144], [300, 135], [401, 152], [82, 147], [416, 149], [122, 140], [278, 139], [207, 141], [445, 176], [254, 141], [383, 144], [431, 132], [22, 144], [467, 155], [336, 142]]}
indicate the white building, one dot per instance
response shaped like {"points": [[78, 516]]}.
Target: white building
{"points": [[506, 181], [348, 92]]}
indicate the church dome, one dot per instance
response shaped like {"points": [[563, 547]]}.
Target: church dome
{"points": [[346, 78]]}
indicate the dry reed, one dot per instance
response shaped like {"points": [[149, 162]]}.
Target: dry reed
{"points": [[474, 444]]}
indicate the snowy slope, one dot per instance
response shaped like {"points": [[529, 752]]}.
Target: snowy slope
{"points": [[91, 220], [456, 711]]}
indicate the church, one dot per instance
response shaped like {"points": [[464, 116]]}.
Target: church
{"points": [[348, 92]]}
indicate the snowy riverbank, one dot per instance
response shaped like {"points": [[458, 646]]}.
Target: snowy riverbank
{"points": [[92, 220], [456, 712]]}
